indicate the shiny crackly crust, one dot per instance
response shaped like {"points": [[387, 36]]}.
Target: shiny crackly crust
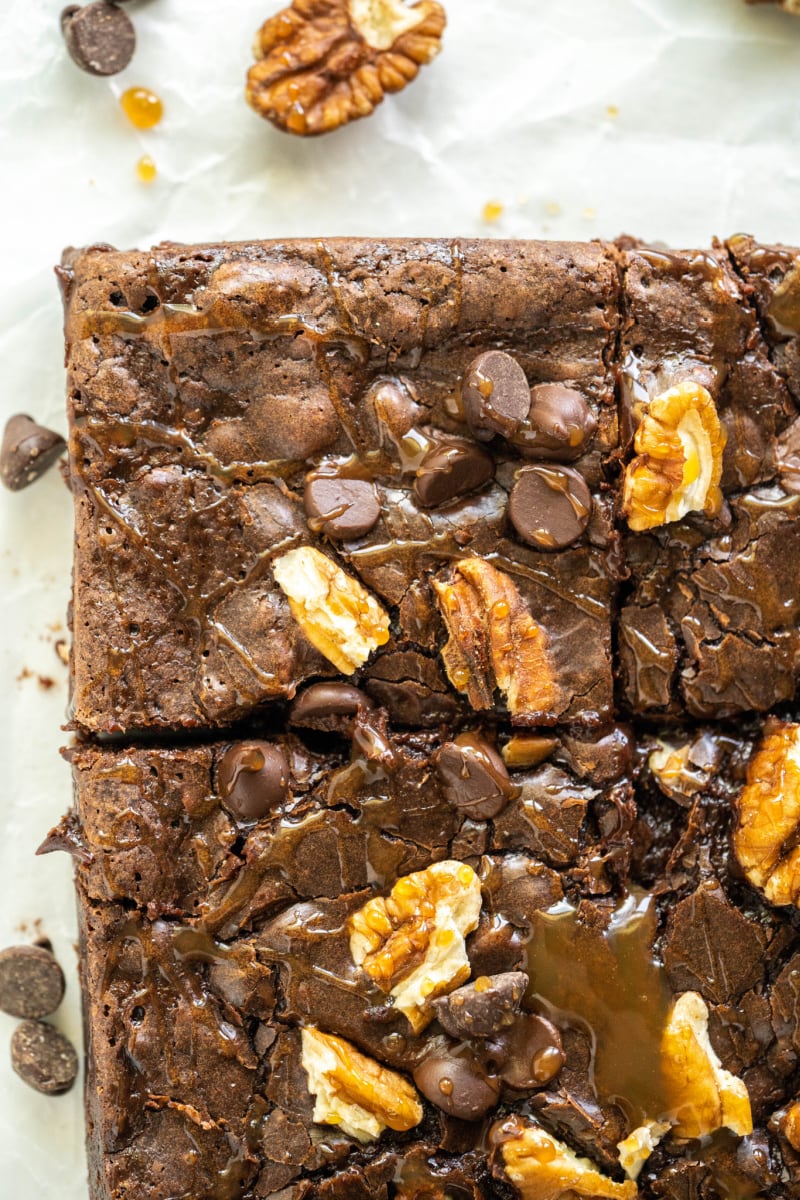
{"points": [[167, 426]]}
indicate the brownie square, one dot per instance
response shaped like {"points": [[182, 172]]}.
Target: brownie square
{"points": [[213, 940], [688, 319], [710, 624], [210, 939], [206, 384]]}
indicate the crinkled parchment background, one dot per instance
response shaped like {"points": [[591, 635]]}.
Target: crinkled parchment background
{"points": [[672, 119]]}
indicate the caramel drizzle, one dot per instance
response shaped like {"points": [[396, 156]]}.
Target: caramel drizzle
{"points": [[122, 434]]}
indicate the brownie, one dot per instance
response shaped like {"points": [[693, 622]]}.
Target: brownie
{"points": [[211, 387], [216, 945], [442, 599]]}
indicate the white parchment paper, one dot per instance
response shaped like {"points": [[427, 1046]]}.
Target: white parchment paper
{"points": [[672, 119]]}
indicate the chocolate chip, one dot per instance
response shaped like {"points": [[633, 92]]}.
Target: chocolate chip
{"points": [[495, 395], [451, 470], [474, 777], [549, 506], [328, 707], [253, 779], [559, 425], [457, 1084], [341, 508], [43, 1057], [100, 37], [31, 982], [486, 1006], [528, 1054], [28, 450]]}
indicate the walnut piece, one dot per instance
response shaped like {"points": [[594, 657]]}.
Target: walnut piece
{"points": [[335, 612], [543, 1168], [675, 773], [355, 1092], [790, 1125], [679, 444], [322, 63], [704, 1096], [768, 817], [411, 943], [494, 641], [637, 1147]]}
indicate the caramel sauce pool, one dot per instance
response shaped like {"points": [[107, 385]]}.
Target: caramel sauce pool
{"points": [[610, 982]]}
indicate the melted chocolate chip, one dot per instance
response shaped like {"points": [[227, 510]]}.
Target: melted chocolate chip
{"points": [[528, 1054], [457, 1084], [31, 982], [328, 707], [484, 1007], [495, 395], [559, 425], [100, 37], [474, 777], [43, 1058], [451, 470], [28, 450], [341, 508], [550, 506], [253, 779]]}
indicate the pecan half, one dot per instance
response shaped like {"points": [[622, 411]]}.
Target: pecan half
{"points": [[322, 63], [494, 641]]}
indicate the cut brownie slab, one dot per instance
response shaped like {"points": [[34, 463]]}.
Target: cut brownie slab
{"points": [[369, 402], [331, 973]]}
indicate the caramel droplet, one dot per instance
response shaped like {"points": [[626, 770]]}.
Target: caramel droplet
{"points": [[143, 108], [446, 1086], [146, 169]]}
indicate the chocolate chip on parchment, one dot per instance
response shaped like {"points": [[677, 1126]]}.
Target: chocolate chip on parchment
{"points": [[253, 779], [100, 37], [28, 450], [549, 506], [43, 1057], [451, 470], [560, 423], [31, 982], [495, 395], [474, 777], [486, 1006], [341, 508]]}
